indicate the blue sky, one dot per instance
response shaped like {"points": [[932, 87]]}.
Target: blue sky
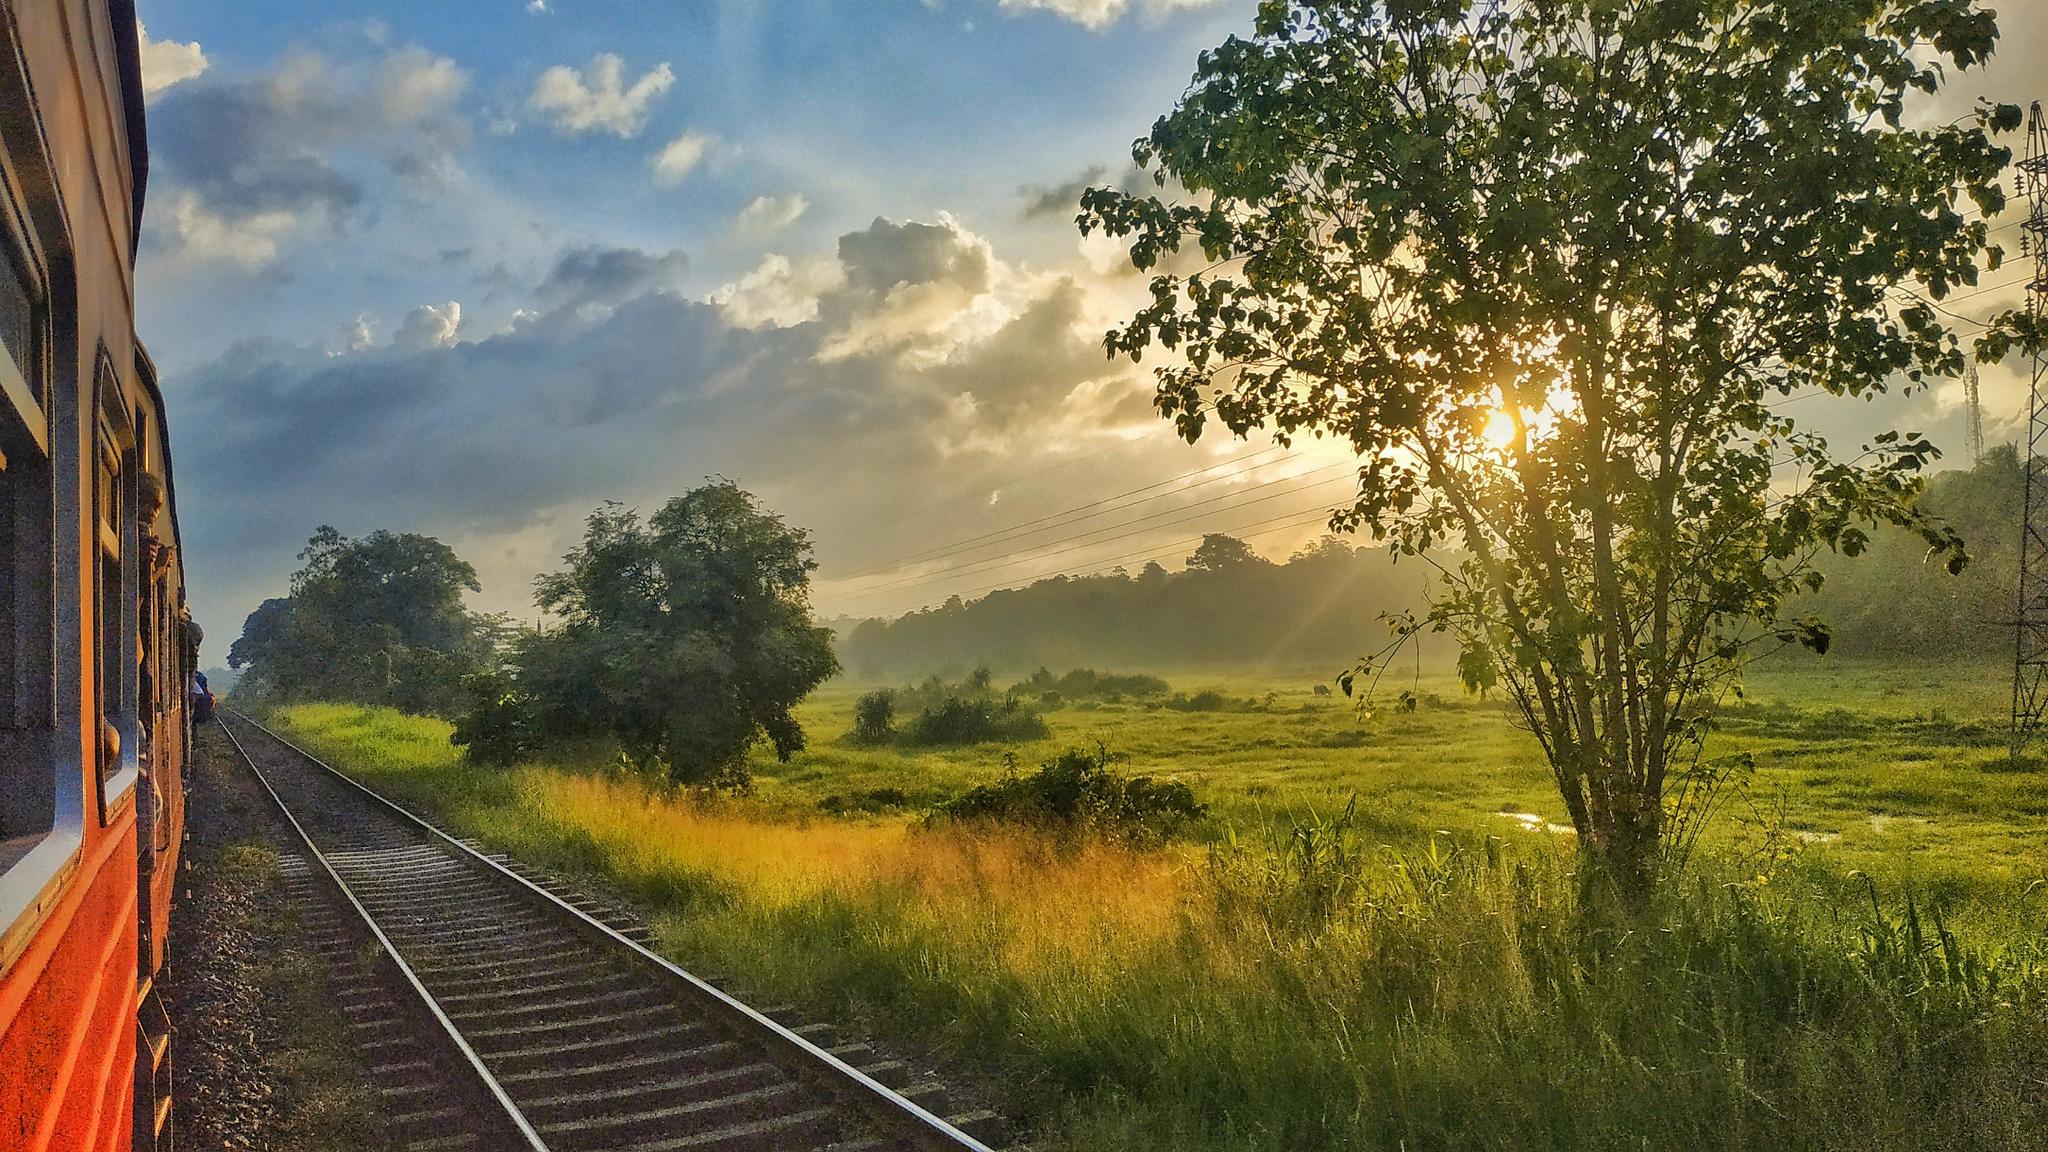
{"points": [[472, 268], [891, 108]]}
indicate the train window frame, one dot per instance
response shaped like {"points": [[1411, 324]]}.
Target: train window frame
{"points": [[114, 539], [28, 538], [39, 402]]}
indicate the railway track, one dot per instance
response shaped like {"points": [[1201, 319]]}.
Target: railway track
{"points": [[565, 1034]]}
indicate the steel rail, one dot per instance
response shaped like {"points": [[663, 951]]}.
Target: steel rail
{"points": [[900, 1118], [513, 1116]]}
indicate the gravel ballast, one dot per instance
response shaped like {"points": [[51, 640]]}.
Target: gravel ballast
{"points": [[262, 1056]]}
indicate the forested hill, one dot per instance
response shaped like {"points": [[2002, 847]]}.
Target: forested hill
{"points": [[1229, 606], [1323, 605]]}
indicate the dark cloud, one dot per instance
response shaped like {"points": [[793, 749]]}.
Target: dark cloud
{"points": [[594, 274], [241, 162], [231, 144], [1060, 199], [886, 255]]}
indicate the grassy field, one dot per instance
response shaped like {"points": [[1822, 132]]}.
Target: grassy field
{"points": [[1856, 958]]}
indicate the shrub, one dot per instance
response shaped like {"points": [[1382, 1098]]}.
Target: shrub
{"points": [[1079, 791], [959, 719], [1210, 701], [496, 727], [874, 716], [1088, 684], [968, 712]]}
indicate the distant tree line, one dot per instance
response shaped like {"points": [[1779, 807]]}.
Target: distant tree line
{"points": [[1894, 600], [1228, 606], [1324, 604]]}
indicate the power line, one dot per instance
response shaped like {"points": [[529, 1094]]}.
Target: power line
{"points": [[992, 536], [1915, 297], [2019, 280], [1025, 555], [1029, 476]]}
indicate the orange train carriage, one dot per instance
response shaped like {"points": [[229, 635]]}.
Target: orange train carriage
{"points": [[96, 648]]}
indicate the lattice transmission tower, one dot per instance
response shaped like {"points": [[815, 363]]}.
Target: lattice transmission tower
{"points": [[2030, 628], [1973, 411]]}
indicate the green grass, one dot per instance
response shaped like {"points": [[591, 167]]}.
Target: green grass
{"points": [[1855, 961], [1901, 769]]}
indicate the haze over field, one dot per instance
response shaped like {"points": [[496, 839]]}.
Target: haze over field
{"points": [[470, 270]]}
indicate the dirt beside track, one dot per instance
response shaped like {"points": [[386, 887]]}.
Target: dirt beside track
{"points": [[262, 1057]]}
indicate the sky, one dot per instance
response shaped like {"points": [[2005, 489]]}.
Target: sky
{"points": [[473, 269]]}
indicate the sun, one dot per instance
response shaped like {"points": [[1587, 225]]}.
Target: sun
{"points": [[1499, 431]]}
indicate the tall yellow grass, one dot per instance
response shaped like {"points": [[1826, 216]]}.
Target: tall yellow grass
{"points": [[1038, 908]]}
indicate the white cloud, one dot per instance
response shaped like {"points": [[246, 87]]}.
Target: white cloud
{"points": [[679, 157], [1099, 14], [429, 326], [415, 85], [777, 294], [771, 213], [167, 62], [206, 236], [358, 335], [598, 99], [537, 6]]}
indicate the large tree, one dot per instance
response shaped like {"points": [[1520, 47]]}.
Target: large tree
{"points": [[378, 620], [684, 638], [1555, 270]]}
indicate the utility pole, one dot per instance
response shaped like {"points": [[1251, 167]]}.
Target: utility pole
{"points": [[2030, 626]]}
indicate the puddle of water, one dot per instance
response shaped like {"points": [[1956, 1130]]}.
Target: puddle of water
{"points": [[1806, 837], [1879, 821]]}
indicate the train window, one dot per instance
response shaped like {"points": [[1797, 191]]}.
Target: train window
{"points": [[115, 625], [19, 332], [27, 571]]}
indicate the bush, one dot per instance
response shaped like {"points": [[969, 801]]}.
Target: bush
{"points": [[968, 712], [1078, 791], [496, 726], [975, 720], [1088, 684], [1210, 701], [874, 717]]}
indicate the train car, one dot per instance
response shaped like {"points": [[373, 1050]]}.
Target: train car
{"points": [[96, 647]]}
